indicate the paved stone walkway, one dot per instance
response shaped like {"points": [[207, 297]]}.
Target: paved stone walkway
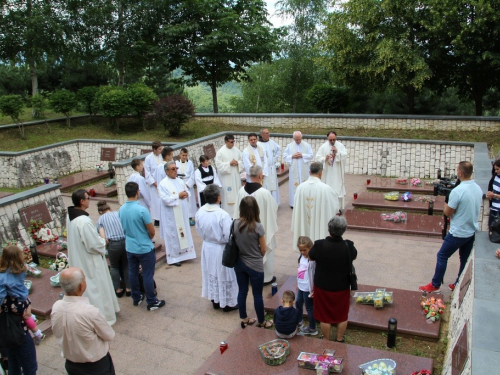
{"points": [[178, 338]]}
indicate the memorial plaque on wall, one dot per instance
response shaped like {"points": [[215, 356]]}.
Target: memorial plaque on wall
{"points": [[177, 158], [37, 212], [464, 285], [146, 151], [460, 353], [108, 154], [209, 150]]}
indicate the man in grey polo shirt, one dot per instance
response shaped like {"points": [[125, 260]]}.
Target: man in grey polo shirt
{"points": [[463, 209]]}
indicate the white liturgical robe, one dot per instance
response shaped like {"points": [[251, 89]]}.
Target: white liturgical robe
{"points": [[174, 222], [254, 156], [87, 250], [219, 285], [315, 204], [229, 176], [333, 173], [273, 152], [144, 191], [268, 218], [187, 169], [299, 168], [150, 164]]}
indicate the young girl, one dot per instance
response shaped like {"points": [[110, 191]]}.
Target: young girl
{"points": [[12, 275], [305, 290]]}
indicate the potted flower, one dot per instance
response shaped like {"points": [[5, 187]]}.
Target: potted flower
{"points": [[433, 308], [60, 263], [421, 372]]}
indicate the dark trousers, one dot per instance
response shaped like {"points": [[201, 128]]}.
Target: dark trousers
{"points": [[299, 304], [119, 263], [244, 276], [147, 262], [104, 366], [22, 358]]}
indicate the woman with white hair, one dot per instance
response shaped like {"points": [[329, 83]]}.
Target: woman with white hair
{"points": [[332, 291]]}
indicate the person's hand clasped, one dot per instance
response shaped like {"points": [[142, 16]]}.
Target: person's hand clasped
{"points": [[490, 195], [183, 195], [297, 155], [233, 163], [497, 253]]}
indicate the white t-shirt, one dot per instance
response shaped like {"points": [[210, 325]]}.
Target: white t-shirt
{"points": [[302, 275]]}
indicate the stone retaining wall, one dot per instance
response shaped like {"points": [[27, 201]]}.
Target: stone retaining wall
{"points": [[352, 121], [12, 225]]}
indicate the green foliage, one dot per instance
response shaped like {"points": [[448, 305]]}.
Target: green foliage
{"points": [[63, 101], [39, 105], [142, 98], [173, 112], [113, 102], [329, 99], [86, 96], [201, 96], [13, 80], [12, 105]]}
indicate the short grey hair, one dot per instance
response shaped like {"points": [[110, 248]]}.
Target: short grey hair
{"points": [[168, 164], [297, 133], [255, 170], [337, 226], [315, 167], [70, 284], [211, 193]]}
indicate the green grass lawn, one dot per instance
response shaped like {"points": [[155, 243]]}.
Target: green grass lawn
{"points": [[27, 116], [130, 129]]}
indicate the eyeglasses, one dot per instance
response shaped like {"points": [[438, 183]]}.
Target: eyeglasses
{"points": [[172, 169]]}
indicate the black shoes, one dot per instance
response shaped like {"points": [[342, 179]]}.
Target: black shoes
{"points": [[176, 264], [156, 305], [215, 305], [273, 280], [137, 303], [229, 308]]}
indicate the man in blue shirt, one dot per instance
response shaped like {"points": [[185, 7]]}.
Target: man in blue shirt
{"points": [[139, 232], [463, 208]]}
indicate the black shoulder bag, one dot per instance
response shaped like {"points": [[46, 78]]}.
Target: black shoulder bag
{"points": [[11, 329], [353, 278], [231, 251]]}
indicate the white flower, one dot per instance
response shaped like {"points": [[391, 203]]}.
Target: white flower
{"points": [[62, 265]]}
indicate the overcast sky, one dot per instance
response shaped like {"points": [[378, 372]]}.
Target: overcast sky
{"points": [[275, 20]]}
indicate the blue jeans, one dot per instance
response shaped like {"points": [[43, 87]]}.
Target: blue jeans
{"points": [[23, 357], [448, 248], [299, 304], [148, 262], [244, 276]]}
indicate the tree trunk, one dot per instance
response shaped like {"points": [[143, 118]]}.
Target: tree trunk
{"points": [[478, 101], [410, 99], [214, 95], [68, 121]]}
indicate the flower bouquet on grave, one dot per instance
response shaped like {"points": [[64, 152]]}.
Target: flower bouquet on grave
{"points": [[34, 229], [99, 167], [425, 199], [433, 308], [402, 181], [421, 372], [406, 197], [392, 196], [25, 249], [62, 245], [397, 217], [60, 263], [416, 182]]}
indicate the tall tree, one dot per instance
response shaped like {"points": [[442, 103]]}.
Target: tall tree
{"points": [[30, 31], [216, 40], [465, 46], [379, 44]]}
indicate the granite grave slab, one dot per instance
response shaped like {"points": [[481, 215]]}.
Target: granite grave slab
{"points": [[389, 184], [406, 309], [376, 201], [43, 295], [417, 224], [243, 357], [102, 190], [81, 178]]}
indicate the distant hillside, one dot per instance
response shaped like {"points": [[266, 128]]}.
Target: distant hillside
{"points": [[201, 96]]}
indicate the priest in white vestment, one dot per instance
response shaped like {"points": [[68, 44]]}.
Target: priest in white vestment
{"points": [[174, 223], [315, 204], [167, 154], [87, 250], [144, 192], [229, 164], [150, 164], [333, 155], [297, 155], [273, 152], [213, 224], [254, 154], [186, 167], [268, 217]]}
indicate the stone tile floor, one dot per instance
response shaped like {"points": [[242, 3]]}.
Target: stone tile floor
{"points": [[178, 338]]}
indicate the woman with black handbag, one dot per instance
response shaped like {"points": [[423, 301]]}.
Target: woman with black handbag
{"points": [[15, 339], [251, 240], [332, 279]]}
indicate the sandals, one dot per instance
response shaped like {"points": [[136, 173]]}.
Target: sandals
{"points": [[343, 340], [265, 324], [249, 322]]}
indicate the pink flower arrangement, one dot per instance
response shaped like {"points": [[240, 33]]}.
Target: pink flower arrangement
{"points": [[416, 182], [433, 308]]}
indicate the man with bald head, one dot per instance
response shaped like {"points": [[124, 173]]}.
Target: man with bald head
{"points": [[80, 328], [297, 155]]}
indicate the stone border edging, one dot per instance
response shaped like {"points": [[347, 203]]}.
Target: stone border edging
{"points": [[28, 194]]}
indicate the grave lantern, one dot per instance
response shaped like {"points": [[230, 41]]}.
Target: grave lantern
{"points": [[391, 333], [34, 254]]}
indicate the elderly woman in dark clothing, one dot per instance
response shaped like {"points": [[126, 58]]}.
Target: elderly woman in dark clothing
{"points": [[332, 290]]}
